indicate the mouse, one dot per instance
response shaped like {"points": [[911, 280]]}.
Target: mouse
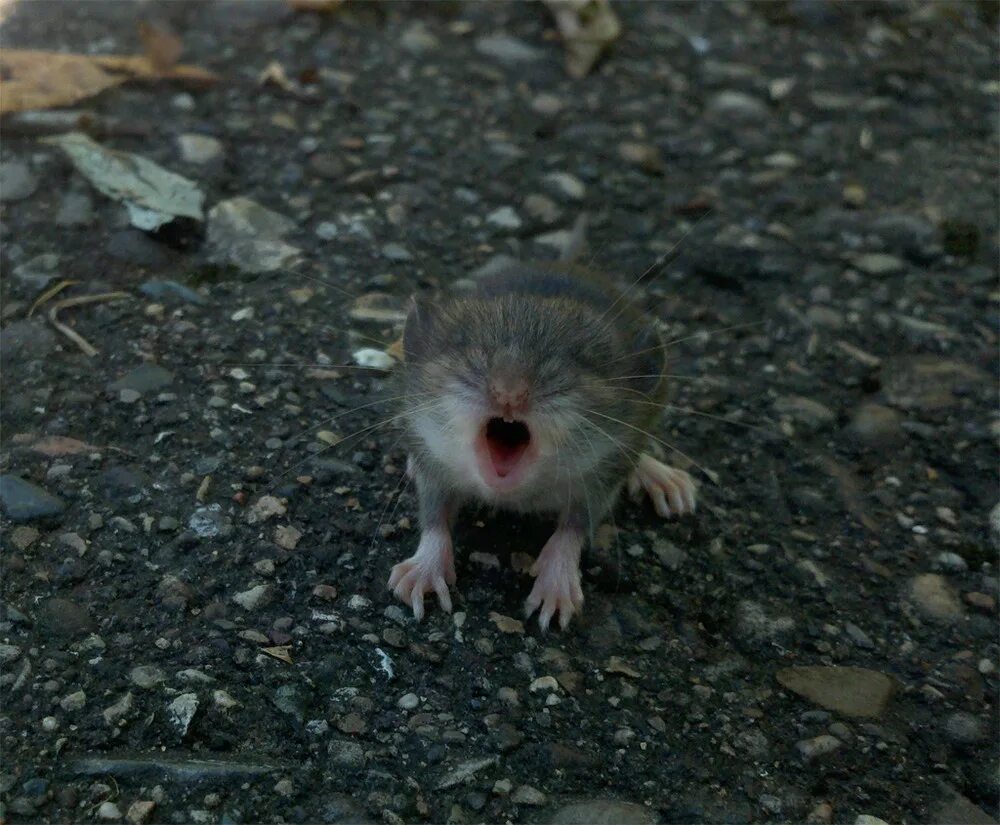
{"points": [[533, 392]]}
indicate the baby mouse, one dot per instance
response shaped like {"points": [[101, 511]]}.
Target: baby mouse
{"points": [[533, 393]]}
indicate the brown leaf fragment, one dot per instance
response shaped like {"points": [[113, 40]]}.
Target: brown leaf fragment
{"points": [[56, 446], [587, 28], [163, 48], [34, 79], [43, 80], [279, 652]]}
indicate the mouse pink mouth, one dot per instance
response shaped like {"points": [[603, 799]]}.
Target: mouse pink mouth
{"points": [[503, 448]]}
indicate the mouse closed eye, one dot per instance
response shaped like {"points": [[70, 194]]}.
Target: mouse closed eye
{"points": [[520, 396]]}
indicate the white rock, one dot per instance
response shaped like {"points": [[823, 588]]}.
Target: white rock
{"points": [[199, 148], [109, 811], [375, 358], [408, 701], [505, 217], [181, 711], [254, 597]]}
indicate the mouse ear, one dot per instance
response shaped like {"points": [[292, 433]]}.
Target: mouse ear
{"points": [[418, 331]]}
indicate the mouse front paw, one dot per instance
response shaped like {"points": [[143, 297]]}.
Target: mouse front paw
{"points": [[672, 491], [430, 569], [557, 582]]}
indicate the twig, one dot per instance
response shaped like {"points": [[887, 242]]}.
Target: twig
{"points": [[55, 289], [73, 336]]}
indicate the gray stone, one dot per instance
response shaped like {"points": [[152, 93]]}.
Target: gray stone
{"points": [[63, 618], [603, 812], [167, 768], [199, 149], [248, 236], [9, 653], [210, 522], [858, 636], [418, 40], [507, 49], [876, 426], [396, 252], [181, 711], [76, 209], [23, 501], [732, 105], [144, 379], [171, 291], [934, 598], [109, 812], [505, 218], [136, 247], [465, 770], [29, 339], [528, 795], [255, 597], [818, 746], [291, 700], [963, 728], [346, 753], [116, 712], [565, 185], [73, 701], [16, 181], [908, 235], [341, 809], [754, 627], [809, 414], [147, 676], [38, 271], [878, 264], [852, 691], [953, 808], [927, 382]]}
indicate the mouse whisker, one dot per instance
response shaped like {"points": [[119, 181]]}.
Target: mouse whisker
{"points": [[306, 364], [346, 292], [404, 480], [356, 433], [342, 413], [672, 376], [666, 344], [659, 260], [648, 434], [689, 411]]}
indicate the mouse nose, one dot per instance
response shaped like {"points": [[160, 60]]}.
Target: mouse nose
{"points": [[510, 394]]}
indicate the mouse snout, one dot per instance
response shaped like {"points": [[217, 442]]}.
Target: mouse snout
{"points": [[510, 394]]}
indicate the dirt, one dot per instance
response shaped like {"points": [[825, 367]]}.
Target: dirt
{"points": [[816, 182]]}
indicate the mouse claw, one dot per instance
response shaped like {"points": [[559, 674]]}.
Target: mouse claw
{"points": [[672, 491], [557, 589], [430, 569]]}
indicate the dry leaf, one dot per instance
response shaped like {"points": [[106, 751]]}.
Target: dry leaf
{"points": [[163, 48], [618, 665], [587, 28], [33, 79], [279, 652], [140, 67], [56, 446], [275, 74], [505, 624], [42, 80]]}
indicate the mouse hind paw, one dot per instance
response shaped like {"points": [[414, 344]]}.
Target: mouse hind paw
{"points": [[672, 491]]}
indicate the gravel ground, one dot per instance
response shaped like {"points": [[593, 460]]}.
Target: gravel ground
{"points": [[200, 518]]}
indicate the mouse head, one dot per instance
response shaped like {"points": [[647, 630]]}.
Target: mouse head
{"points": [[510, 394]]}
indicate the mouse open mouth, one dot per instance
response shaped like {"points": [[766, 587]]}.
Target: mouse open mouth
{"points": [[506, 442]]}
